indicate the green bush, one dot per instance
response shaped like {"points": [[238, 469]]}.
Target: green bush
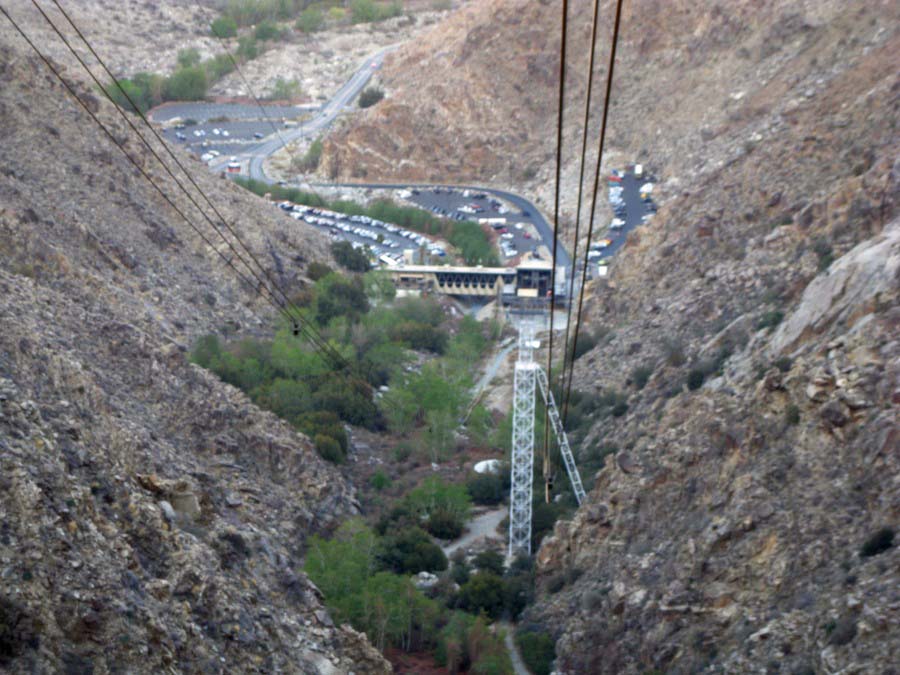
{"points": [[770, 319], [538, 651], [792, 415], [370, 96], [783, 363], [187, 58], [483, 592], [224, 27], [368, 11], [350, 258], [247, 48], [444, 524], [318, 270], [379, 481], [641, 375], [410, 551], [187, 84], [879, 542], [695, 378], [489, 561], [486, 489], [311, 19], [267, 30], [285, 90], [311, 158], [329, 449], [420, 336]]}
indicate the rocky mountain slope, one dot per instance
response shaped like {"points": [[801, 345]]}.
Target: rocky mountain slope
{"points": [[726, 532], [151, 518]]}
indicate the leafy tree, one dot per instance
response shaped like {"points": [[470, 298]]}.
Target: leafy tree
{"points": [[349, 257], [410, 551], [186, 84], [311, 158], [317, 270], [224, 27], [435, 496], [420, 336], [370, 96], [444, 525], [338, 296]]}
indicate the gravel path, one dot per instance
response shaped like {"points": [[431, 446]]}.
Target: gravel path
{"points": [[518, 664], [480, 527]]}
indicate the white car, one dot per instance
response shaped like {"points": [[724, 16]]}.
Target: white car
{"points": [[616, 224]]}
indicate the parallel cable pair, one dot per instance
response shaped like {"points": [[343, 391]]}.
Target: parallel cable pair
{"points": [[279, 301], [569, 354]]}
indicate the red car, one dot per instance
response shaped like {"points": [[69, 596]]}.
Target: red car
{"points": [[502, 230], [527, 235], [615, 179]]}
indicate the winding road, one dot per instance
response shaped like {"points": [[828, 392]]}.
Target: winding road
{"points": [[257, 154]]}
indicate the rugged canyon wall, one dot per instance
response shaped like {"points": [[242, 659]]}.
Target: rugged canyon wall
{"points": [[151, 518]]}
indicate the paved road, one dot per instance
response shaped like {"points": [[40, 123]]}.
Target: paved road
{"points": [[257, 154]]}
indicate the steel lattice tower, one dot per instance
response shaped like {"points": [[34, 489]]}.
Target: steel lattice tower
{"points": [[522, 445], [527, 375]]}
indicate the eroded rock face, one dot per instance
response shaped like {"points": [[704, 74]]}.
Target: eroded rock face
{"points": [[151, 518]]}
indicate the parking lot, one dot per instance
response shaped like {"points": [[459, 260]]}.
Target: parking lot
{"points": [[517, 235], [225, 128], [385, 241]]}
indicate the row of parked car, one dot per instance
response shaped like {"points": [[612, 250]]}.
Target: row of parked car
{"points": [[364, 227]]}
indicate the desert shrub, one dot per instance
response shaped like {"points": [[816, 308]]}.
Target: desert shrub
{"points": [[825, 253], [379, 481], [770, 319], [369, 11], [443, 524], [483, 592], [486, 488], [792, 414], [460, 572], [538, 651], [187, 58], [329, 449], [489, 561], [247, 49], [311, 19], [224, 27], [878, 542], [311, 158], [370, 96], [267, 30], [317, 270], [585, 342], [555, 583], [783, 363], [695, 378], [673, 350], [410, 551], [402, 451], [338, 296], [285, 90], [641, 375], [349, 258]]}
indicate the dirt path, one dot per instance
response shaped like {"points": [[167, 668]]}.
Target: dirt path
{"points": [[480, 527], [518, 664]]}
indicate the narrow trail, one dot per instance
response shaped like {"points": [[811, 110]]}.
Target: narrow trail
{"points": [[479, 527], [518, 664]]}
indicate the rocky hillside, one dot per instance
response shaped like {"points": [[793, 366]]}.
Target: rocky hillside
{"points": [[752, 324], [151, 518], [130, 35]]}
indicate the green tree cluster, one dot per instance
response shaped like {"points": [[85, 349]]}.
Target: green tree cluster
{"points": [[350, 258]]}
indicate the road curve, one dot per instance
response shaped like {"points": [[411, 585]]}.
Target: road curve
{"points": [[257, 154]]}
